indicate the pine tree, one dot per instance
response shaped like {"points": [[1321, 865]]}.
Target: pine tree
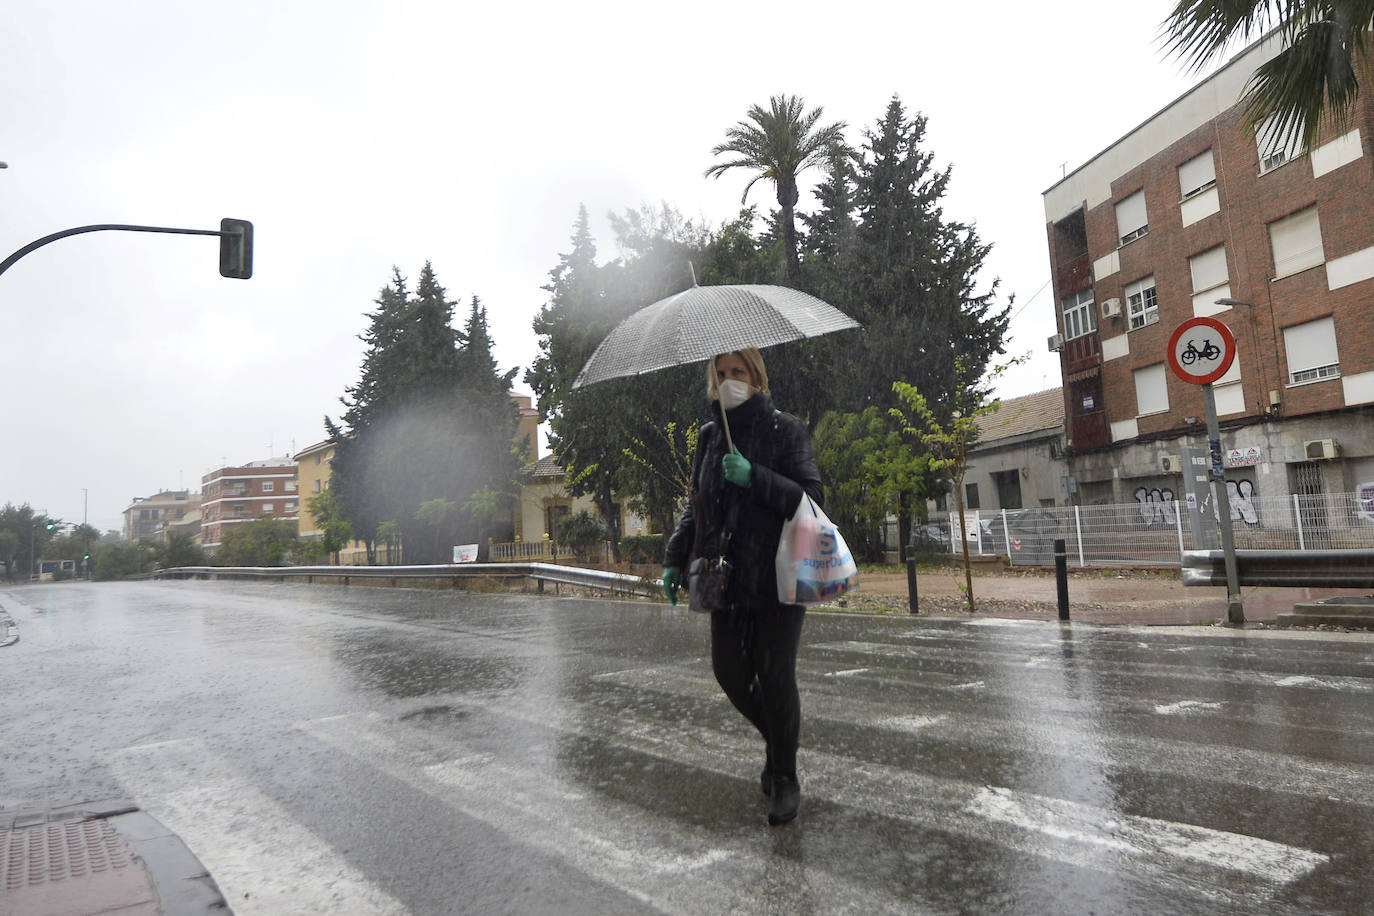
{"points": [[429, 425]]}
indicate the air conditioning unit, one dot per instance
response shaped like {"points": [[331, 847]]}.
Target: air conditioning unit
{"points": [[1056, 342], [1111, 308], [1318, 449], [1171, 464]]}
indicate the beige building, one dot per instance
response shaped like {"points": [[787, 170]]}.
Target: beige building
{"points": [[150, 518], [313, 465]]}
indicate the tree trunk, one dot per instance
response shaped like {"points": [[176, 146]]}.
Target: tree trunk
{"points": [[963, 536], [904, 512], [787, 200]]}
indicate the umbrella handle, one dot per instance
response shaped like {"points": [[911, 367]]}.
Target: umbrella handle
{"points": [[729, 444]]}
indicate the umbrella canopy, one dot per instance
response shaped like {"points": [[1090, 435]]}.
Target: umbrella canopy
{"points": [[705, 321]]}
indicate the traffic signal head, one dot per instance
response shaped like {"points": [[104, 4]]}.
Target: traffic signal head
{"points": [[236, 248], [52, 525]]}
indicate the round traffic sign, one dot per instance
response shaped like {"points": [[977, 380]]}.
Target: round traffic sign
{"points": [[1201, 350]]}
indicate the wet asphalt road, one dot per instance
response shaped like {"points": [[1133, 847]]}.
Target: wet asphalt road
{"points": [[351, 750]]}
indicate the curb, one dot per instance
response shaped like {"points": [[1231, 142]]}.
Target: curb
{"points": [[126, 841], [9, 633]]}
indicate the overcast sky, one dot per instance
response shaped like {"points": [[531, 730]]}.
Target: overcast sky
{"points": [[360, 134]]}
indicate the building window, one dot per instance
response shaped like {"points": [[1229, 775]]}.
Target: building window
{"points": [[1151, 390], [1276, 146], [291, 486], [971, 496], [240, 510], [267, 509], [317, 486], [1079, 315], [1141, 303], [1131, 223], [268, 486], [1210, 280], [1196, 175], [1297, 242], [1008, 484], [317, 460], [1311, 350], [289, 506]]}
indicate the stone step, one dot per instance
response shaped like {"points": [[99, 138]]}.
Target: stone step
{"points": [[1354, 613]]}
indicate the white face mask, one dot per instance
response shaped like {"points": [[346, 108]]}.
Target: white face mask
{"points": [[734, 393]]}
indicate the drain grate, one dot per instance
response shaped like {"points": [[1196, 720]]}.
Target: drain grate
{"points": [[45, 853]]}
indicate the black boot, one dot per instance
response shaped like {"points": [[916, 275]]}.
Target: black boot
{"points": [[766, 777], [786, 799]]}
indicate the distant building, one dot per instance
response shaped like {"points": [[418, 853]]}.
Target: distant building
{"points": [[313, 467], [149, 518], [233, 495], [1018, 461], [1193, 214]]}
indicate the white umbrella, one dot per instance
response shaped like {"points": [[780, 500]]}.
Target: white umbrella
{"points": [[705, 321]]}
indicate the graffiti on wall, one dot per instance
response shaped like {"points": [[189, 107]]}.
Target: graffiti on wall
{"points": [[1157, 505]]}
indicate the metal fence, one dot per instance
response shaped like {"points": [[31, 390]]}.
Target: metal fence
{"points": [[1156, 533]]}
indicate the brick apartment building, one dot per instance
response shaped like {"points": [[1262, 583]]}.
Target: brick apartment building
{"points": [[259, 489], [1188, 209]]}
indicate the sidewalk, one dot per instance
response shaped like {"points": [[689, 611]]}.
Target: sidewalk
{"points": [[100, 857], [1095, 596]]}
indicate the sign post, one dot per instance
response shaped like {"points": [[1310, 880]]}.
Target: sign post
{"points": [[1201, 350]]}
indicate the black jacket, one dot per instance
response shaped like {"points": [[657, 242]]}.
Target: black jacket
{"points": [[779, 449]]}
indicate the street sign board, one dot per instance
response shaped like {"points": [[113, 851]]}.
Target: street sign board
{"points": [[1201, 350]]}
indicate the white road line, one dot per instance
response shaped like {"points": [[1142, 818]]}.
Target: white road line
{"points": [[263, 861], [1274, 863], [1184, 707], [669, 865], [1155, 855]]}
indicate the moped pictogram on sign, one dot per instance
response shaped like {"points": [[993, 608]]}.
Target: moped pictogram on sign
{"points": [[1201, 350]]}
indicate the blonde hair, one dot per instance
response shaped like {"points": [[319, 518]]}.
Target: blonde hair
{"points": [[753, 361]]}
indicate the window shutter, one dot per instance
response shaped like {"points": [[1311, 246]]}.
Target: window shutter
{"points": [[1130, 215], [1196, 174], [1297, 242], [1209, 269], [1151, 390], [1310, 345]]}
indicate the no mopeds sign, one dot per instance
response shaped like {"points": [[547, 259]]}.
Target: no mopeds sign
{"points": [[1201, 350]]}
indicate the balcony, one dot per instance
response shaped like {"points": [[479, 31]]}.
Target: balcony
{"points": [[1074, 274], [1090, 430], [1082, 353]]}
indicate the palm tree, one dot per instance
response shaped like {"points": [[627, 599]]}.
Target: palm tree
{"points": [[779, 143], [1326, 42]]}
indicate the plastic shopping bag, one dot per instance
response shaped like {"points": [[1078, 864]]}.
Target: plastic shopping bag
{"points": [[813, 563]]}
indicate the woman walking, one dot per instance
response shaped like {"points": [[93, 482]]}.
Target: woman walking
{"points": [[740, 498]]}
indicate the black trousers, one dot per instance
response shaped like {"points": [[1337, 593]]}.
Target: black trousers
{"points": [[754, 655]]}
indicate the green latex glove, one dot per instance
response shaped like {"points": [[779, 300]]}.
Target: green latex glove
{"points": [[738, 470], [672, 578]]}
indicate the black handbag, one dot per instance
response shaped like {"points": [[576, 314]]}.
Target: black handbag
{"points": [[708, 584]]}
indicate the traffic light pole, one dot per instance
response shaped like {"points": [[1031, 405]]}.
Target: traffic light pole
{"points": [[236, 243]]}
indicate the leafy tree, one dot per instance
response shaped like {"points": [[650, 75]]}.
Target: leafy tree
{"points": [[179, 550], [581, 532], [1326, 44], [261, 542], [430, 418], [870, 472], [592, 428], [948, 441], [335, 532], [119, 559], [30, 533], [779, 143]]}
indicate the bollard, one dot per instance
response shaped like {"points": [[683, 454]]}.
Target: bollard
{"points": [[1061, 577], [911, 576]]}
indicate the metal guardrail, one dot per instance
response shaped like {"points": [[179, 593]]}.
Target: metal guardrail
{"points": [[615, 583], [1284, 568]]}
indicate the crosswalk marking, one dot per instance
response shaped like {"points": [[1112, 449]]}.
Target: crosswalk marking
{"points": [[262, 859], [1060, 819]]}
